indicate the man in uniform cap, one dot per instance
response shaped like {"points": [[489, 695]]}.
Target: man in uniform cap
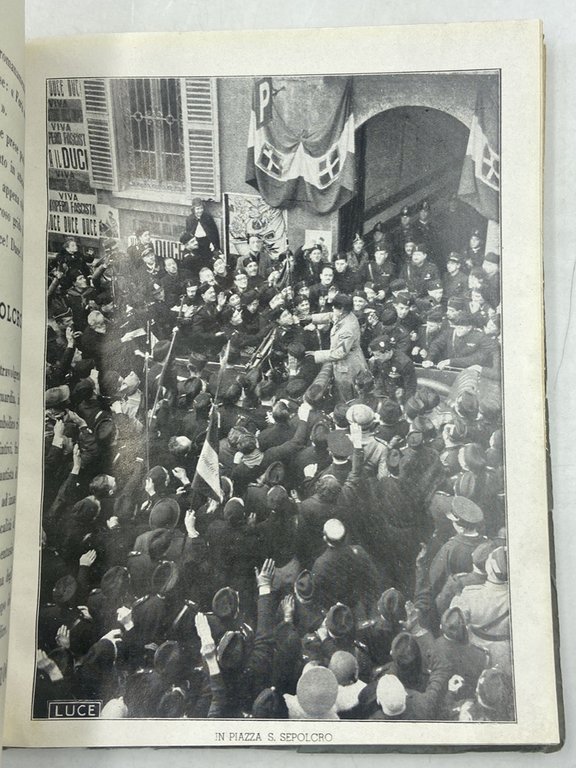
{"points": [[460, 346], [406, 320], [419, 270], [455, 556], [401, 234], [425, 231], [474, 253], [455, 281], [427, 333], [393, 371], [340, 448]]}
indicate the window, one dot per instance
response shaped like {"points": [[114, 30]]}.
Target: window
{"points": [[154, 135], [151, 134]]}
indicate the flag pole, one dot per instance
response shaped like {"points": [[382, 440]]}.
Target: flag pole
{"points": [[146, 394], [161, 377], [213, 413], [223, 364]]}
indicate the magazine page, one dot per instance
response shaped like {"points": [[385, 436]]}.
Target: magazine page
{"points": [[277, 476], [11, 259]]}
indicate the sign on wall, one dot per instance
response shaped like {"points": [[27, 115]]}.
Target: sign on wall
{"points": [[67, 137], [245, 215]]}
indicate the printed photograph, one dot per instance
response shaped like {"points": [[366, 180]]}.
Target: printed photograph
{"points": [[274, 445]]}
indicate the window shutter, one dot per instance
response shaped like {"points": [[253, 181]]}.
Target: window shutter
{"points": [[201, 132], [99, 123]]}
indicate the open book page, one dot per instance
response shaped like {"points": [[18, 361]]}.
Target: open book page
{"points": [[290, 275], [11, 254]]}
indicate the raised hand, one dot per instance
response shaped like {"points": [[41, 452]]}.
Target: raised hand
{"points": [[265, 575]]}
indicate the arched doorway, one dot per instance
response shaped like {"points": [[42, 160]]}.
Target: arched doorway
{"points": [[405, 155]]}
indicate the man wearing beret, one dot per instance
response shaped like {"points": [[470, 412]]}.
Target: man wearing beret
{"points": [[460, 346], [345, 357]]}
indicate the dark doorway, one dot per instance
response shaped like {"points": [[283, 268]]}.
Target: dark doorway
{"points": [[406, 155]]}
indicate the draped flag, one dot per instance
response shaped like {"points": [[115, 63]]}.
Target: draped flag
{"points": [[207, 477], [480, 178], [300, 146]]}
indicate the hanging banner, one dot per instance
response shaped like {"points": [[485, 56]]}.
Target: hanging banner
{"points": [[480, 179], [301, 148]]}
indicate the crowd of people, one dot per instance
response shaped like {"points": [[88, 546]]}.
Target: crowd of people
{"points": [[351, 561]]}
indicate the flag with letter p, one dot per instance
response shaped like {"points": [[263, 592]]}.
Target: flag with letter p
{"points": [[301, 143], [480, 178], [207, 476]]}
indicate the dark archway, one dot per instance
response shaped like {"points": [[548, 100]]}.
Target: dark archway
{"points": [[405, 155]]}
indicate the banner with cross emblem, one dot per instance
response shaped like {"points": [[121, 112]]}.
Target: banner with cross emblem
{"points": [[297, 154], [480, 178]]}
